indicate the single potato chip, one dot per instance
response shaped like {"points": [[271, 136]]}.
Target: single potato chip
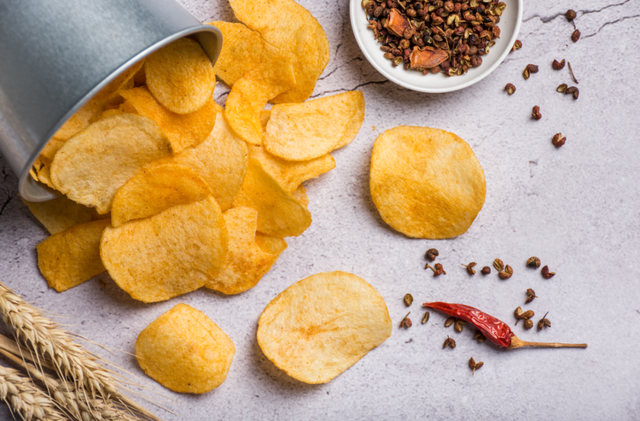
{"points": [[246, 261], [185, 351], [183, 130], [221, 159], [91, 166], [426, 183], [59, 214], [279, 213], [291, 28], [41, 171], [180, 76], [271, 245], [156, 188], [301, 132], [300, 194], [71, 257], [322, 325], [169, 254], [251, 93], [290, 174]]}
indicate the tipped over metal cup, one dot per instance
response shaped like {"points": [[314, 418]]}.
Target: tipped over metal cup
{"points": [[56, 54]]}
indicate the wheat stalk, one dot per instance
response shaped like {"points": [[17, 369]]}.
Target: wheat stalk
{"points": [[70, 360], [25, 399]]}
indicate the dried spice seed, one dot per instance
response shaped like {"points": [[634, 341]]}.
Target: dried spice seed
{"points": [[528, 314], [532, 68], [571, 14], [406, 322], [576, 93], [431, 254], [562, 88], [510, 88], [544, 322], [473, 365], [558, 65], [518, 314], [425, 318], [558, 140], [486, 270], [506, 273], [516, 45], [408, 299], [546, 274], [498, 264], [533, 262], [449, 321], [575, 36], [525, 73], [536, 113], [479, 337], [470, 269], [531, 295], [449, 342], [459, 325], [439, 270], [528, 324]]}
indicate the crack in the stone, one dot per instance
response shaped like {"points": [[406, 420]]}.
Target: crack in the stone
{"points": [[610, 23], [546, 19], [4, 205], [381, 82], [329, 74], [587, 12]]}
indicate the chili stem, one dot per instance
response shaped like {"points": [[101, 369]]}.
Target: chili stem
{"points": [[518, 343]]}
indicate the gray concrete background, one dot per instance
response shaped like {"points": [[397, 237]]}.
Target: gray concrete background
{"points": [[575, 207]]}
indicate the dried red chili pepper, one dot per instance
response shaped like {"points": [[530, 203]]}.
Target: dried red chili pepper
{"points": [[495, 330]]}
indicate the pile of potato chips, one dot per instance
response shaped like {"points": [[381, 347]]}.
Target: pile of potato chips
{"points": [[168, 191]]}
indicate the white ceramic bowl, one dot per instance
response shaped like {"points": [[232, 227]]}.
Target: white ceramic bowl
{"points": [[509, 27]]}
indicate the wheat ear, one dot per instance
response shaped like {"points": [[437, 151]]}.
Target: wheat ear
{"points": [[25, 398]]}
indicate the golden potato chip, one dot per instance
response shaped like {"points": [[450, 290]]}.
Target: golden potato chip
{"points": [[300, 194], [169, 254], [94, 107], [91, 166], [155, 188], [279, 213], [246, 261], [290, 174], [180, 76], [41, 171], [221, 159], [271, 245], [59, 214], [426, 183], [51, 148], [183, 130], [291, 28], [322, 325], [71, 257], [301, 132], [185, 351], [251, 93]]}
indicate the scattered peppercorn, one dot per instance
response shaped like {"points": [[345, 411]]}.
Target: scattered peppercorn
{"points": [[431, 254], [439, 270], [408, 299], [474, 365], [558, 65], [572, 90], [518, 314], [575, 36], [532, 68], [449, 321], [544, 322], [571, 14], [531, 295], [470, 269], [558, 140], [528, 324], [406, 322], [562, 88], [486, 270], [459, 325], [516, 45], [479, 337], [546, 274], [498, 264], [510, 88], [449, 342], [525, 73], [425, 318], [506, 273], [536, 113]]}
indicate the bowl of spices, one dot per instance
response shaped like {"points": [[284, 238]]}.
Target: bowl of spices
{"points": [[436, 45]]}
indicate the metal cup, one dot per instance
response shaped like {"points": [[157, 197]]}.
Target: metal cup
{"points": [[56, 54]]}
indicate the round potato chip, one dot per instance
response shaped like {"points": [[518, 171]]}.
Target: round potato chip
{"points": [[185, 351], [59, 214], [168, 254], [180, 76], [322, 325], [155, 188], [426, 183], [91, 166]]}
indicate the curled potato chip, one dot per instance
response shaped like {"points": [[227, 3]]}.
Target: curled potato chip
{"points": [[301, 132], [183, 130], [59, 214], [221, 159], [41, 171], [291, 28], [322, 325], [180, 76], [185, 351], [251, 93], [290, 174], [71, 257], [426, 183], [91, 166], [246, 261], [155, 188], [168, 254], [279, 213]]}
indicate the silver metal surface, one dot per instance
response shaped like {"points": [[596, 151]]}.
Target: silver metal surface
{"points": [[56, 54]]}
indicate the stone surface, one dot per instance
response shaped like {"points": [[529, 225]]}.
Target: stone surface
{"points": [[576, 208]]}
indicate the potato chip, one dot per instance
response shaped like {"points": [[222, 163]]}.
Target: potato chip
{"points": [[291, 28], [301, 132], [290, 174], [279, 213], [41, 171], [221, 160], [91, 166], [322, 325], [183, 130], [271, 245], [156, 188], [426, 183], [185, 351], [300, 194], [94, 107], [71, 257], [251, 93], [180, 76], [169, 254], [246, 261], [59, 214], [51, 148]]}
